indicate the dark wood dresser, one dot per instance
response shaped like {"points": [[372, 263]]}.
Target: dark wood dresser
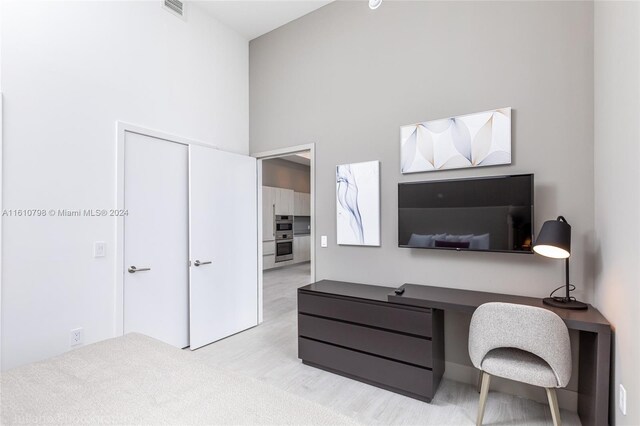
{"points": [[353, 330]]}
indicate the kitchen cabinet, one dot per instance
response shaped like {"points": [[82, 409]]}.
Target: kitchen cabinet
{"points": [[306, 204], [275, 201], [301, 248], [306, 248], [296, 249], [288, 200], [268, 254], [297, 206], [269, 248], [268, 213], [302, 204], [284, 200]]}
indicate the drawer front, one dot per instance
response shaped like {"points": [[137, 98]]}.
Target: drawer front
{"points": [[268, 248], [393, 375], [387, 317], [414, 350]]}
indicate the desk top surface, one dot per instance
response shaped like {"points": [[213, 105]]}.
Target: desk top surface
{"points": [[342, 288], [453, 299], [468, 300]]}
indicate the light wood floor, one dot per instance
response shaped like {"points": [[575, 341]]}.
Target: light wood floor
{"points": [[269, 353]]}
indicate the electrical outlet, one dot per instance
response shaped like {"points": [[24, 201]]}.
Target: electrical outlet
{"points": [[323, 241], [99, 249], [77, 336], [622, 400]]}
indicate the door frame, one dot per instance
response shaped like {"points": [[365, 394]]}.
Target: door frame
{"points": [[276, 153], [121, 130], [1, 209]]}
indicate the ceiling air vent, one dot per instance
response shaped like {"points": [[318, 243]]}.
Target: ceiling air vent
{"points": [[176, 7]]}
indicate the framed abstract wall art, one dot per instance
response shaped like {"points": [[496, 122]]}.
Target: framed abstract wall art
{"points": [[472, 140], [358, 204]]}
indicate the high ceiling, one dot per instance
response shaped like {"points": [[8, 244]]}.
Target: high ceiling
{"points": [[253, 18]]}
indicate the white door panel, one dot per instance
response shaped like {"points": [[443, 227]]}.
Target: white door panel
{"points": [[223, 222], [156, 236]]}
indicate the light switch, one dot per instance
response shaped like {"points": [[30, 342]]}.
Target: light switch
{"points": [[99, 249], [323, 241]]}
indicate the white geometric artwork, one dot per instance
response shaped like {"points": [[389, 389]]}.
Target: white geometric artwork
{"points": [[473, 140], [358, 204]]}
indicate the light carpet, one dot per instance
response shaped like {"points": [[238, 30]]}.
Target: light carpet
{"points": [[135, 379]]}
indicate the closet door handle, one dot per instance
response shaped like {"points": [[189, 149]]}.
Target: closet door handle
{"points": [[133, 269], [198, 263]]}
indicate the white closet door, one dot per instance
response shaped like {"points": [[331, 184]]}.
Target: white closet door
{"points": [[224, 232], [156, 300]]}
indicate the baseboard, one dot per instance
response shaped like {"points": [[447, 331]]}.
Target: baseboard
{"points": [[567, 399]]}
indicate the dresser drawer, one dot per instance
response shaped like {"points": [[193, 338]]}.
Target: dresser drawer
{"points": [[414, 350], [417, 322], [401, 378]]}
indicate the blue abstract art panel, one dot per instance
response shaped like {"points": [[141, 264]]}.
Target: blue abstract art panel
{"points": [[358, 204]]}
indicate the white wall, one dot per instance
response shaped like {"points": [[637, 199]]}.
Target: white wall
{"points": [[69, 71], [617, 191]]}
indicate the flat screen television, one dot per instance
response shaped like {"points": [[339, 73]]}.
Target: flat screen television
{"points": [[480, 214]]}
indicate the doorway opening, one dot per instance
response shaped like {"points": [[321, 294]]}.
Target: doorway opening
{"points": [[286, 227]]}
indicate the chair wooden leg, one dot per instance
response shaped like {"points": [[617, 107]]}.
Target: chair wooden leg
{"points": [[479, 381], [484, 391], [553, 405]]}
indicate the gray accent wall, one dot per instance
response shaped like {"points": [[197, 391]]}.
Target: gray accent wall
{"points": [[346, 78]]}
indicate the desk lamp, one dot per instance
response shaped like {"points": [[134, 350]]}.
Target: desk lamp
{"points": [[554, 241]]}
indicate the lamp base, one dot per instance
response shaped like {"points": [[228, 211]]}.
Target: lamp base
{"points": [[564, 303]]}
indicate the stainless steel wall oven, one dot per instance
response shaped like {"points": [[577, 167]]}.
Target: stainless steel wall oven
{"points": [[284, 238]]}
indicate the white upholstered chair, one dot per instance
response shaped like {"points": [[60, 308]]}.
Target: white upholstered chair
{"points": [[522, 343]]}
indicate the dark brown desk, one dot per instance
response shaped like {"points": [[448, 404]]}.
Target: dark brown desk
{"points": [[595, 338]]}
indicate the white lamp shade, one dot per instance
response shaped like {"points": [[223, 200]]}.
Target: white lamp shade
{"points": [[551, 251]]}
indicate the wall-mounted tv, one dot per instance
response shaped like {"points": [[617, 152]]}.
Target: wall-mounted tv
{"points": [[481, 214]]}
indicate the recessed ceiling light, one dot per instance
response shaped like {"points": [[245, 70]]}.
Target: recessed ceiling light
{"points": [[374, 4]]}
